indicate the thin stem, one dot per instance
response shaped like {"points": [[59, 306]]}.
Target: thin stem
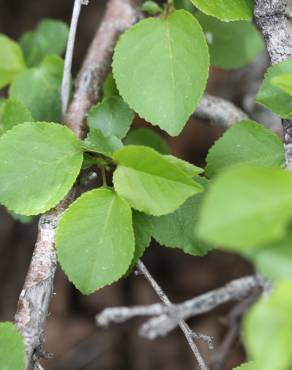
{"points": [[182, 324], [65, 87], [103, 175]]}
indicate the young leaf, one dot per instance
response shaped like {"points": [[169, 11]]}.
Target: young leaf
{"points": [[284, 82], [246, 207], [11, 347], [112, 117], [274, 261], [95, 240], [271, 318], [274, 97], [97, 142], [49, 37], [227, 10], [12, 113], [11, 60], [147, 137], [39, 89], [39, 163], [142, 231], [150, 182], [161, 68], [246, 142], [151, 7], [177, 230], [188, 168], [231, 44]]}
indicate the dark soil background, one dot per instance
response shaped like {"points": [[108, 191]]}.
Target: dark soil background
{"points": [[73, 338]]}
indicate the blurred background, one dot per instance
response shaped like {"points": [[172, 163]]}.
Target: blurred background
{"points": [[73, 338]]}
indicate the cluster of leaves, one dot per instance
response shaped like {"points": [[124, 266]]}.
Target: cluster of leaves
{"points": [[242, 202]]}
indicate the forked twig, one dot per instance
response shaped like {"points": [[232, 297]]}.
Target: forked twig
{"points": [[182, 324]]}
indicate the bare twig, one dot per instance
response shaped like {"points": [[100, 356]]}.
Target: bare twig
{"points": [[34, 299], [182, 324], [271, 19], [233, 322], [218, 111], [235, 290], [65, 87], [166, 318]]}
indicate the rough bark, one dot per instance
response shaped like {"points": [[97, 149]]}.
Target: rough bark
{"points": [[35, 296], [271, 19]]}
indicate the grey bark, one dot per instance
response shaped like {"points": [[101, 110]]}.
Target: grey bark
{"points": [[271, 19], [166, 318], [218, 112]]}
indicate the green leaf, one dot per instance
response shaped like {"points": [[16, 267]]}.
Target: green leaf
{"points": [[97, 142], [13, 113], [49, 37], [112, 117], [142, 231], [283, 82], [147, 137], [184, 4], [20, 218], [110, 87], [161, 68], [11, 60], [11, 347], [268, 329], [39, 89], [274, 261], [188, 168], [177, 230], [39, 163], [226, 10], [246, 142], [273, 97], [246, 207], [150, 182], [248, 366], [95, 240], [231, 44], [151, 7]]}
